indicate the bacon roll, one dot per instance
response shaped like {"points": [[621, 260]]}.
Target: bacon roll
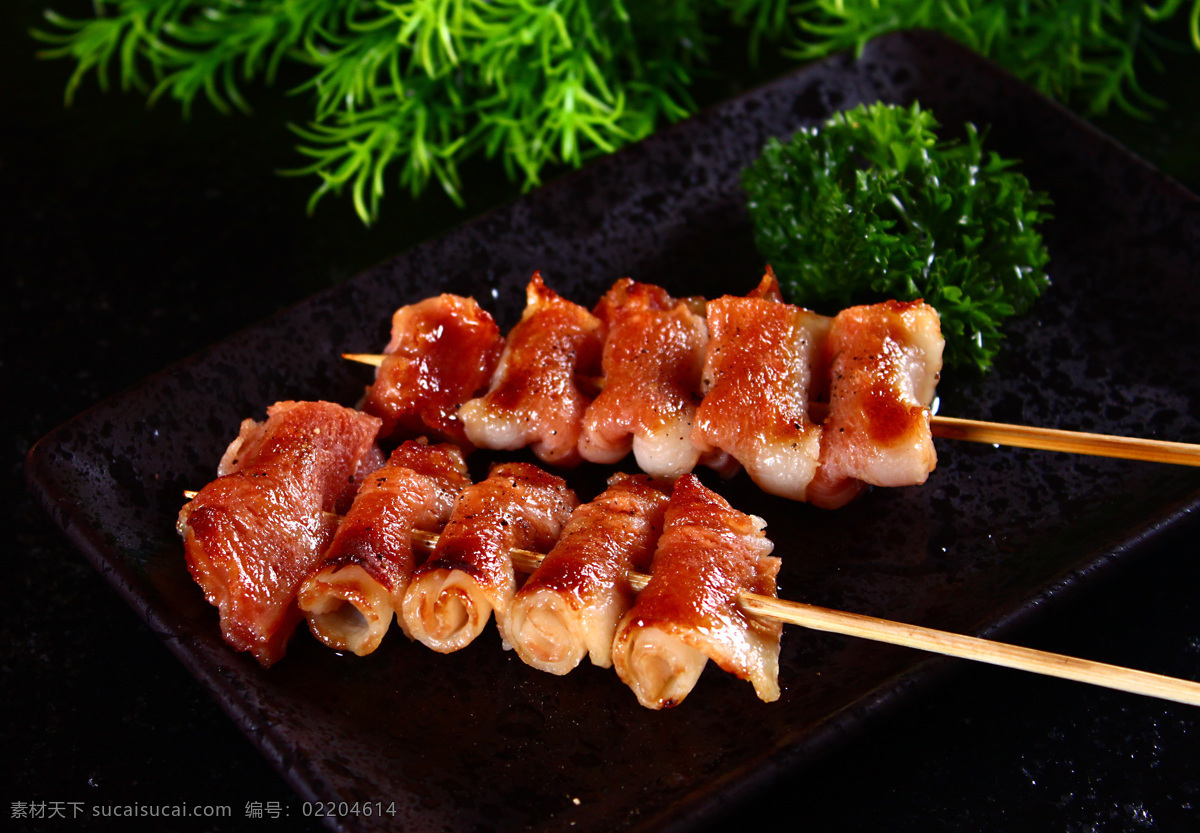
{"points": [[352, 592], [885, 360], [653, 354], [730, 386], [443, 351], [470, 573], [761, 369], [252, 535], [708, 554], [534, 399], [571, 604]]}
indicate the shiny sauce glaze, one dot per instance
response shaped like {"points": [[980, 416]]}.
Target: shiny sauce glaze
{"points": [[569, 607], [709, 553], [653, 354], [534, 398], [252, 535], [443, 351]]}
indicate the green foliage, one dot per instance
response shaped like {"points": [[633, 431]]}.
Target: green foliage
{"points": [[407, 90], [415, 87], [1080, 51], [427, 85], [872, 206]]}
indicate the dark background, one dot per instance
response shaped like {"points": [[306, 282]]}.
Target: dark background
{"points": [[130, 238]]}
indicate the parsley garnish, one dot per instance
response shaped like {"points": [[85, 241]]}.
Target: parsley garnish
{"points": [[873, 205]]}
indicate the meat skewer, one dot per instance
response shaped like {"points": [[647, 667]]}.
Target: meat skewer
{"points": [[689, 612], [571, 603], [252, 535], [352, 593], [470, 574], [932, 640]]}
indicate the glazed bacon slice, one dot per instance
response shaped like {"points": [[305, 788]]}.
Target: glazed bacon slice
{"points": [[653, 354], [885, 361], [442, 352], [470, 573], [252, 535], [252, 434], [534, 399], [352, 592], [762, 368], [571, 604], [709, 553]]}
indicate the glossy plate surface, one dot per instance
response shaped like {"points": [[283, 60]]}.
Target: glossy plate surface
{"points": [[477, 740]]}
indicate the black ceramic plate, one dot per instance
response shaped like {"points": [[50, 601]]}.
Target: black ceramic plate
{"points": [[478, 740]]}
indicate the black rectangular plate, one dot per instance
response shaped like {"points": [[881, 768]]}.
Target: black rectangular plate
{"points": [[477, 740]]}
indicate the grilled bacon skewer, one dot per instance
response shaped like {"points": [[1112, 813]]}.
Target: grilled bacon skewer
{"points": [[534, 399], [897, 633], [470, 574], [570, 605], [352, 593], [252, 535], [756, 376], [689, 613]]}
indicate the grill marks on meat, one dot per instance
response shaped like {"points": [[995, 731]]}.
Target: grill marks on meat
{"points": [[534, 399], [443, 351], [470, 573], [689, 613], [252, 535], [570, 605], [351, 594]]}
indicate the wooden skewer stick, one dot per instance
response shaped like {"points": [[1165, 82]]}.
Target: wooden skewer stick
{"points": [[974, 648], [373, 359], [1019, 436], [1076, 442], [929, 639]]}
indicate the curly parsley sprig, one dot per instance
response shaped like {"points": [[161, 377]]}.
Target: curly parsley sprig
{"points": [[873, 205]]}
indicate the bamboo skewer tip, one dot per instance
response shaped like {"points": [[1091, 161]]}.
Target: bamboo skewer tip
{"points": [[373, 359]]}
